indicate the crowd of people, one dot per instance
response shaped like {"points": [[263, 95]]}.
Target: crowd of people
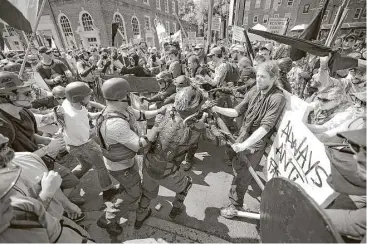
{"points": [[223, 96]]}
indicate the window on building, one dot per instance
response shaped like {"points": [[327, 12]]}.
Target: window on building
{"points": [[276, 16], [92, 39], [247, 5], [267, 4], [166, 26], [119, 19], [290, 2], [87, 22], [306, 8], [166, 6], [364, 13], [257, 4], [325, 18], [173, 6], [265, 19], [287, 15], [357, 14], [11, 30], [279, 2], [255, 19], [146, 1], [147, 23], [135, 26], [65, 26], [158, 3], [174, 27]]}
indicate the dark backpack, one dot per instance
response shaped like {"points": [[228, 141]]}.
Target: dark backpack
{"points": [[233, 73]]}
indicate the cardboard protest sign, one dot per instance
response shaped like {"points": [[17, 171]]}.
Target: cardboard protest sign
{"points": [[298, 155], [237, 33], [200, 40], [277, 25], [191, 34]]}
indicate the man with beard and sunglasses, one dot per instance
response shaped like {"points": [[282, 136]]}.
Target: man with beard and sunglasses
{"points": [[77, 135], [348, 177], [53, 71], [120, 142], [19, 125]]}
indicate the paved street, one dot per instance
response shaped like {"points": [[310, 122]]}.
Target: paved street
{"points": [[201, 223]]}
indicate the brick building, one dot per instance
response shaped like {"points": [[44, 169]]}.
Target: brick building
{"points": [[85, 23], [248, 13], [251, 12], [355, 20]]}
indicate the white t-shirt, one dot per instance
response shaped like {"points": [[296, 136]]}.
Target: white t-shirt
{"points": [[77, 127], [118, 132]]}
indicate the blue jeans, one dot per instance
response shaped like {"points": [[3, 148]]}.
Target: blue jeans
{"points": [[90, 155]]}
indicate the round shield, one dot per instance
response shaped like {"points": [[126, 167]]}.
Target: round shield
{"points": [[289, 215]]}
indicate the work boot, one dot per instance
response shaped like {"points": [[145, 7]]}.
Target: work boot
{"points": [[180, 198], [79, 201], [110, 193], [112, 228], [139, 223], [230, 211]]}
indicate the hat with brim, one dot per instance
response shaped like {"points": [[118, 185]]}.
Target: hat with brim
{"points": [[347, 175], [215, 51], [350, 36], [44, 49], [199, 46], [8, 177]]}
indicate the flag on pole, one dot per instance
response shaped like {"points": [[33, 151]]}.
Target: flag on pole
{"points": [[249, 49], [20, 14], [310, 33], [115, 27]]}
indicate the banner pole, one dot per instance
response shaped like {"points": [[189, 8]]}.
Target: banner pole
{"points": [[179, 22], [210, 17], [31, 39]]}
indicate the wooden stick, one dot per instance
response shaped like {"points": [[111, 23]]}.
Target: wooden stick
{"points": [[31, 39], [248, 215]]}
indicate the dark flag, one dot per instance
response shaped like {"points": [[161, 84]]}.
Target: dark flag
{"points": [[310, 33], [249, 49], [14, 17], [115, 27], [2, 41]]}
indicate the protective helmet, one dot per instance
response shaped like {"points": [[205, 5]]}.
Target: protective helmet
{"points": [[59, 92], [115, 89], [165, 76], [76, 92], [181, 81], [12, 67], [9, 82]]}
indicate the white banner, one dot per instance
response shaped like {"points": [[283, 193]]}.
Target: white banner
{"points": [[216, 24], [237, 33], [200, 40], [277, 25], [191, 34], [297, 154]]}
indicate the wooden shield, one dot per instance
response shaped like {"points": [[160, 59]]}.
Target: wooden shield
{"points": [[289, 215]]}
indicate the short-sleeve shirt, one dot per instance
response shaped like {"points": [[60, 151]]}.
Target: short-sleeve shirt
{"points": [[260, 110], [57, 67]]}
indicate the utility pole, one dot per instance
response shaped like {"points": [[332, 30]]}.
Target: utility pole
{"points": [[210, 16]]}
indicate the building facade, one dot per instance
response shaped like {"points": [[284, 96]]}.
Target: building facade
{"points": [[85, 23], [354, 21]]}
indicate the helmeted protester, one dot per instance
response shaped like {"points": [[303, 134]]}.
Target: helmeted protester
{"points": [[166, 89], [117, 132], [262, 108], [266, 51], [77, 136], [348, 177], [173, 139], [200, 53]]}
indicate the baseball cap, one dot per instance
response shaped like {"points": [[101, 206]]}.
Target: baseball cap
{"points": [[199, 46], [215, 51], [43, 49]]}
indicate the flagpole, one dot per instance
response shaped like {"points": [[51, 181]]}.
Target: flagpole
{"points": [[179, 22], [337, 20], [31, 39]]}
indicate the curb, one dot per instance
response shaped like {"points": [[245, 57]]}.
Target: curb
{"points": [[183, 231]]}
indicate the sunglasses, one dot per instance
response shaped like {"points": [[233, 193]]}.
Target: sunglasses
{"points": [[60, 98], [356, 148], [323, 100], [48, 52], [4, 145]]}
